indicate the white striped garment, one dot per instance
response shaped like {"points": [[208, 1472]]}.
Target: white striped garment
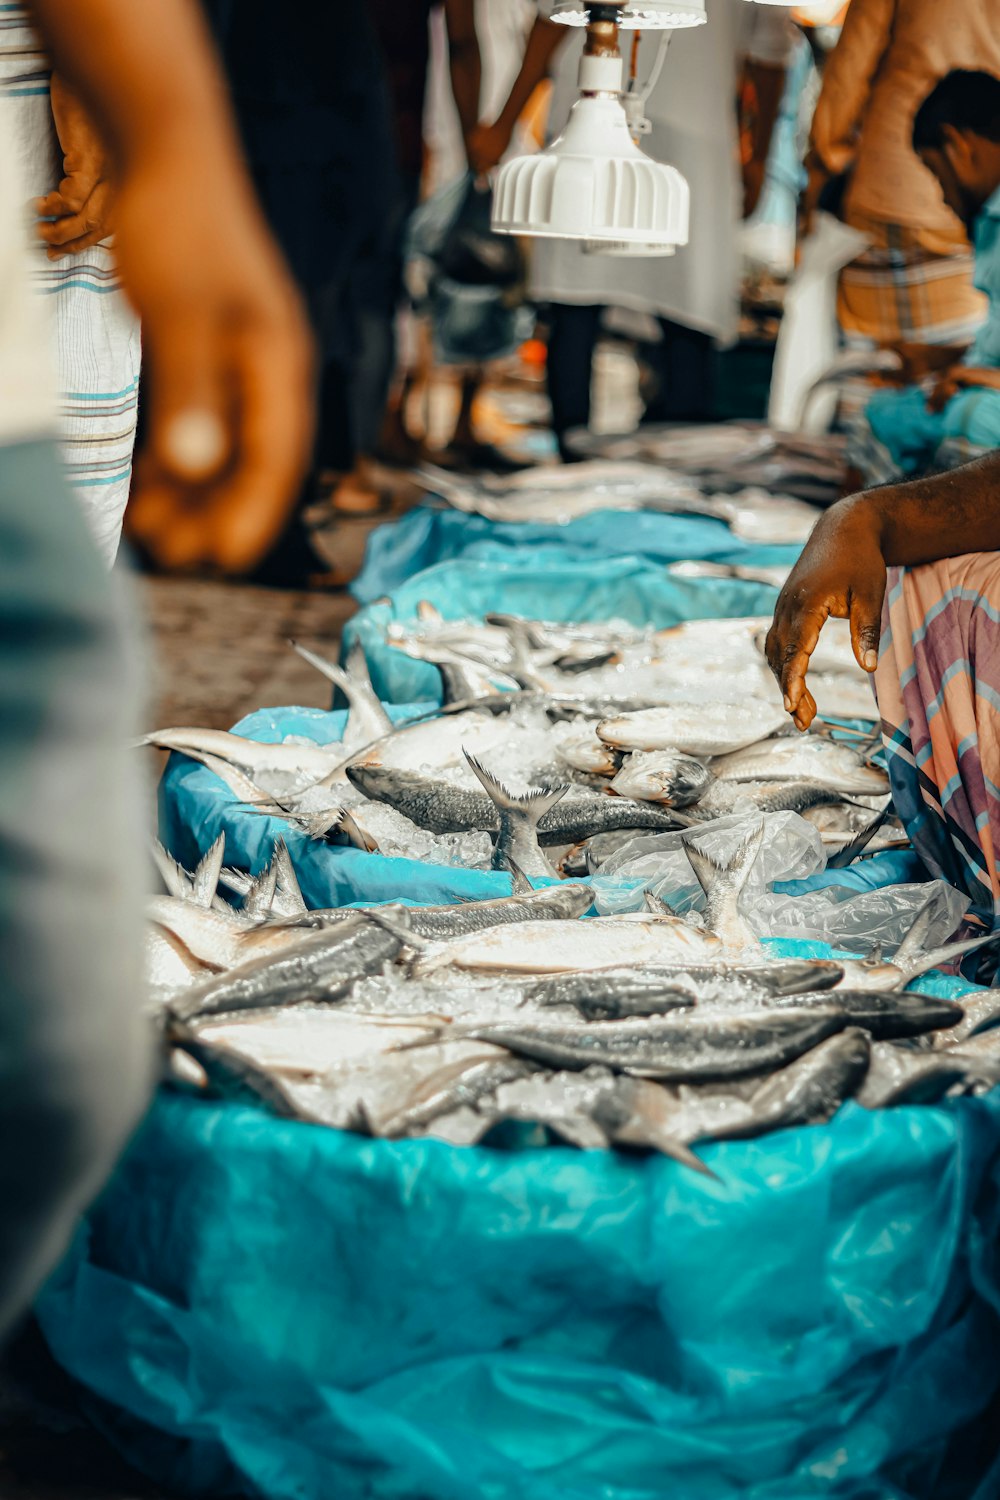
{"points": [[97, 343]]}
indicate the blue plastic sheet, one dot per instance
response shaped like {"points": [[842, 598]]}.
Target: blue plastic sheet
{"points": [[545, 584], [285, 1311], [429, 535]]}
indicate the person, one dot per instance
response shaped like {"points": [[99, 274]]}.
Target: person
{"points": [[915, 568], [956, 134], [228, 432], [913, 286], [64, 166], [694, 294]]}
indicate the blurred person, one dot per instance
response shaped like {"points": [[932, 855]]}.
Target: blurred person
{"points": [[954, 414], [912, 289], [64, 165], [312, 106], [915, 568], [228, 430], [693, 294]]}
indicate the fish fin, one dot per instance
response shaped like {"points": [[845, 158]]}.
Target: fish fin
{"points": [[260, 897], [171, 871], [329, 669], [207, 872], [656, 906], [288, 881], [915, 940], [520, 884], [536, 801], [735, 871], [860, 842], [937, 956]]}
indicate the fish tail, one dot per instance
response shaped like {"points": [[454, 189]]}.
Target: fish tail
{"points": [[921, 964], [205, 881], [520, 884], [731, 876], [535, 802]]}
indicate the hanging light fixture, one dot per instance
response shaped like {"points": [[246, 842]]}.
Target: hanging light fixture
{"points": [[644, 15], [593, 183]]}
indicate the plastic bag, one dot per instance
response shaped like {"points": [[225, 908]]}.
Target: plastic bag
{"points": [[816, 907]]}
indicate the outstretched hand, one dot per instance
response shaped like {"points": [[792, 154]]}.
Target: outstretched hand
{"points": [[841, 572]]}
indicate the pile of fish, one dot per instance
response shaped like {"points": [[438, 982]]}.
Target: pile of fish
{"points": [[559, 743], [556, 496], [730, 456], [648, 1032]]}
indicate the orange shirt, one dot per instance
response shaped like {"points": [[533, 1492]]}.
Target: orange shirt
{"points": [[889, 57]]}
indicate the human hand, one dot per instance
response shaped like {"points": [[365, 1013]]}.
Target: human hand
{"points": [[226, 360], [81, 206], [486, 145], [841, 572]]}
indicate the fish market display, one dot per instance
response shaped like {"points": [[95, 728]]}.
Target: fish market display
{"points": [[639, 1010]]}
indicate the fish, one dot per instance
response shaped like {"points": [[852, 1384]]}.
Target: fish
{"points": [[723, 884], [709, 728], [807, 1091], [200, 885], [367, 719], [608, 994], [900, 1074], [595, 1109], [775, 577], [583, 751], [519, 814], [669, 1048], [665, 776], [557, 947], [287, 900], [321, 965], [885, 1015], [442, 807], [253, 756], [807, 757]]}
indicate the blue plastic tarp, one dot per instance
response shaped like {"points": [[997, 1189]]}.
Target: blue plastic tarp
{"points": [[544, 584], [286, 1311], [429, 534]]}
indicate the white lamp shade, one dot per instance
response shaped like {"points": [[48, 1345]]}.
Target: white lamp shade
{"points": [[594, 184], [643, 15]]}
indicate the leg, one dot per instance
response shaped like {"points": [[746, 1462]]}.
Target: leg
{"points": [[572, 340], [684, 364], [937, 684], [73, 1039]]}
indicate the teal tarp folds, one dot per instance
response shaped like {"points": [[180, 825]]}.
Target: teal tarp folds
{"points": [[429, 535], [296, 1313], [546, 584]]}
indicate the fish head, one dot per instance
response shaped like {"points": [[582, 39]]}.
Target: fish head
{"points": [[666, 776]]}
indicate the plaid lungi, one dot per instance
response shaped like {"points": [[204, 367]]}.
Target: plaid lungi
{"points": [[908, 287], [938, 689]]}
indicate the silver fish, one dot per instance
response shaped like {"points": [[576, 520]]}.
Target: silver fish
{"points": [[692, 1047], [320, 965], [666, 776], [723, 885], [519, 814], [367, 720], [709, 728], [441, 807]]}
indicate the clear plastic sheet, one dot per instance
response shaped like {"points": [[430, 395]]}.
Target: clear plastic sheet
{"points": [[791, 852]]}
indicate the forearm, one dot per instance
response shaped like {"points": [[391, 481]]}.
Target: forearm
{"points": [[928, 519], [543, 42], [147, 87]]}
